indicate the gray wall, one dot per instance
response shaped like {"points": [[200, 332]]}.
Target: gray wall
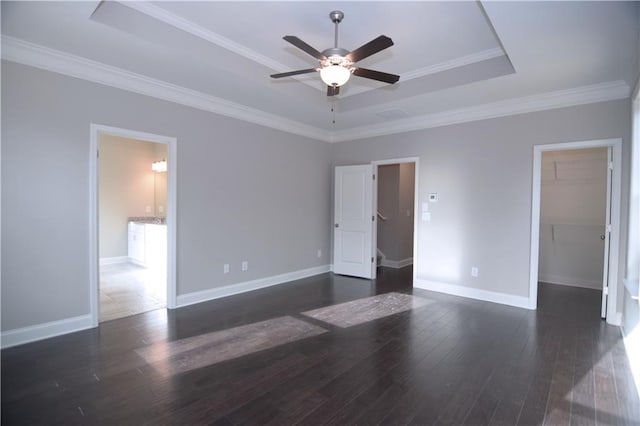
{"points": [[237, 199], [245, 192], [482, 172]]}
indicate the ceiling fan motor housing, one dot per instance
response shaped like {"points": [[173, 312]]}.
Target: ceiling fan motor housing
{"points": [[336, 16]]}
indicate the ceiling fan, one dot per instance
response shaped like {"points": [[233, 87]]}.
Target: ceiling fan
{"points": [[337, 64]]}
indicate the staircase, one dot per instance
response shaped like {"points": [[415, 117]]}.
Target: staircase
{"points": [[379, 258]]}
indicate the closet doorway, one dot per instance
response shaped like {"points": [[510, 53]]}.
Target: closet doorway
{"points": [[575, 220]]}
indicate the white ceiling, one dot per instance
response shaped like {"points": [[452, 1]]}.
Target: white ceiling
{"points": [[455, 59]]}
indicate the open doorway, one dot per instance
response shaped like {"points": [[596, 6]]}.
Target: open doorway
{"points": [[132, 222], [395, 215], [132, 194], [356, 220], [575, 220]]}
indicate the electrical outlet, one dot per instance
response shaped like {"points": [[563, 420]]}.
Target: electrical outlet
{"points": [[319, 253], [474, 272], [245, 265], [226, 268]]}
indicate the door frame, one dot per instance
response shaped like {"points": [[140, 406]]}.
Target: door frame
{"points": [[96, 130], [416, 163], [616, 184]]}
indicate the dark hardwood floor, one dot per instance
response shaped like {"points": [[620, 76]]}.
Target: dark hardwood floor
{"points": [[456, 361]]}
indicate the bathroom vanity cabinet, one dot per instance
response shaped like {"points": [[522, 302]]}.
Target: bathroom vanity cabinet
{"points": [[147, 245]]}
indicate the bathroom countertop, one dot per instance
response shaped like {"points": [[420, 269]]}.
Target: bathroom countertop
{"points": [[149, 219]]}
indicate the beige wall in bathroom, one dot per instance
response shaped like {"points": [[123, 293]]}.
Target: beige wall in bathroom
{"points": [[160, 153], [127, 188]]}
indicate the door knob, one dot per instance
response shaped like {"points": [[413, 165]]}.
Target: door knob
{"points": [[337, 226]]}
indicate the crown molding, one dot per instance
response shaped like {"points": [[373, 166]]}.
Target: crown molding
{"points": [[602, 92], [199, 31], [38, 56], [34, 55], [454, 63], [436, 68]]}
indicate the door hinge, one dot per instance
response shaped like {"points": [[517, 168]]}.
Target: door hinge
{"points": [[374, 177], [373, 218], [97, 153], [371, 259], [605, 291], [609, 228], [610, 165]]}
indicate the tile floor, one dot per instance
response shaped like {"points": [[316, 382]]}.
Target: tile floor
{"points": [[128, 289]]}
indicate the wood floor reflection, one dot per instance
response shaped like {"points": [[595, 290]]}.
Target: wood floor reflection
{"points": [[455, 361]]}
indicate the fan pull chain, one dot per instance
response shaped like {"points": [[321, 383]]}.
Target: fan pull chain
{"points": [[333, 110]]}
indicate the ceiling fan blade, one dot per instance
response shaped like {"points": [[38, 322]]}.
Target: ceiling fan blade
{"points": [[304, 47], [290, 73], [333, 90], [376, 75], [368, 49]]}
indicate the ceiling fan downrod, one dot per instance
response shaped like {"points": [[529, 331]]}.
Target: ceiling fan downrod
{"points": [[336, 17]]}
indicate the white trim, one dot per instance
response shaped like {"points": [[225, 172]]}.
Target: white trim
{"points": [[462, 61], [473, 293], [396, 264], [46, 330], [196, 30], [172, 171], [570, 281], [203, 33], [559, 99], [230, 290], [616, 319], [613, 316], [114, 260], [34, 55]]}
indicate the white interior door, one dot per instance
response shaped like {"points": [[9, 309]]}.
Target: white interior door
{"points": [[354, 220], [607, 235]]}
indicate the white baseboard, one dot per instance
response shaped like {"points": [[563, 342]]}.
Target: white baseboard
{"points": [[473, 293], [615, 319], [113, 260], [568, 281], [216, 293], [46, 330], [397, 264]]}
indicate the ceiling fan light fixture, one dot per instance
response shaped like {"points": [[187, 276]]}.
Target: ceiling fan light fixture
{"points": [[335, 75]]}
